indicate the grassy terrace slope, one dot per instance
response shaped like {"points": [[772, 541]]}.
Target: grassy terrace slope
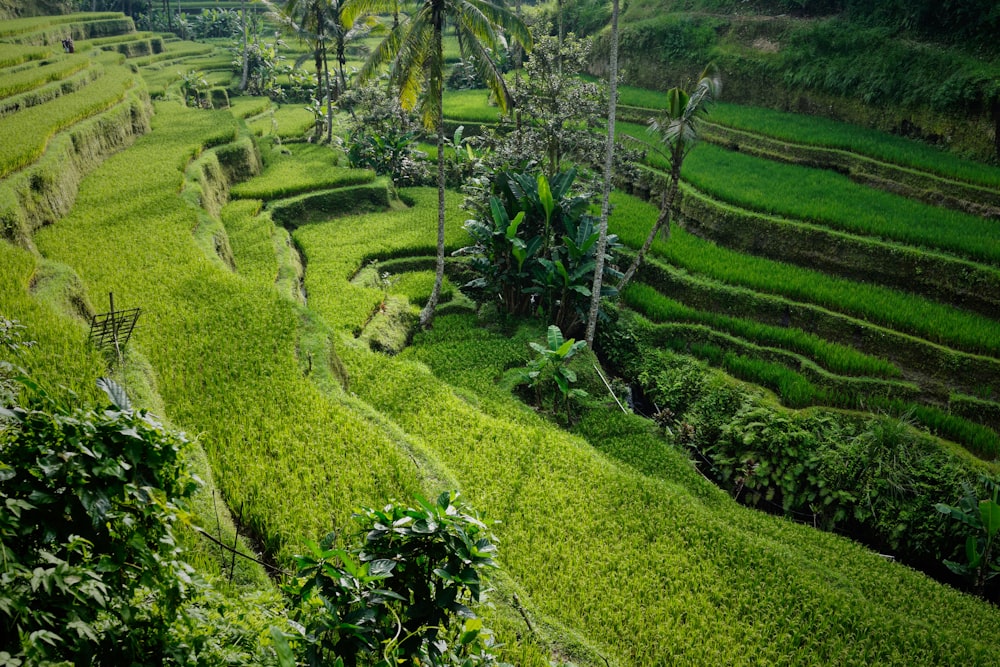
{"points": [[655, 568], [621, 554], [223, 350]]}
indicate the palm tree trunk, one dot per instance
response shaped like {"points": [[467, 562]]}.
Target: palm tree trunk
{"points": [[666, 206], [427, 314], [609, 156], [329, 98], [246, 63], [341, 65]]}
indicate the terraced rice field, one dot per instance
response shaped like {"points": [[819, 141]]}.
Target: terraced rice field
{"points": [[253, 336]]}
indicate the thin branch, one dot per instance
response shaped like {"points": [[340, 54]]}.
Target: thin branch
{"points": [[235, 552]]}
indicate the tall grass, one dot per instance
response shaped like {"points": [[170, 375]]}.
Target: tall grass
{"points": [[291, 458], [287, 122], [24, 80], [305, 167], [928, 319], [470, 105], [828, 198], [826, 133], [335, 251]]}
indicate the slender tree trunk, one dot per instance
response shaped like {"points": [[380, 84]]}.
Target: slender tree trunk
{"points": [[427, 314], [609, 156], [562, 35], [341, 65], [246, 63], [329, 98], [666, 206]]}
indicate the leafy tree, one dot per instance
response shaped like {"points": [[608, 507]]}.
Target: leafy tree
{"points": [[678, 130], [383, 136], [414, 52], [561, 112], [319, 22]]}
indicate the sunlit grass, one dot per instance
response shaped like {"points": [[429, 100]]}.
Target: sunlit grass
{"points": [[901, 311]]}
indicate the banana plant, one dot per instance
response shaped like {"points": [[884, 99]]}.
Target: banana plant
{"points": [[983, 517], [552, 366]]}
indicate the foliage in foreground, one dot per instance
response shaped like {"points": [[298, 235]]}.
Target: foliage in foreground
{"points": [[400, 592], [90, 499]]}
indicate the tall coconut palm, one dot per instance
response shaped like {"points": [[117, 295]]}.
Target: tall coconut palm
{"points": [[609, 156], [678, 130], [413, 51], [310, 20]]}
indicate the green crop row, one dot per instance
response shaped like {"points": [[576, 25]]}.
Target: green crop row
{"points": [[833, 356], [335, 251], [904, 312], [56, 70], [252, 241], [832, 199], [15, 54], [248, 107], [51, 91], [305, 167], [962, 283], [797, 380], [818, 131], [34, 23], [471, 105], [175, 52], [24, 135], [291, 459], [325, 204], [87, 28], [810, 387], [639, 564], [287, 122]]}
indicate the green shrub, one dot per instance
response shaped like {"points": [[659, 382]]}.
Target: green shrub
{"points": [[91, 496]]}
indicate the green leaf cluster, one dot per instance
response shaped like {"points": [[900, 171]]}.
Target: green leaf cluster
{"points": [[981, 517], [399, 592], [90, 501], [534, 249], [551, 367]]}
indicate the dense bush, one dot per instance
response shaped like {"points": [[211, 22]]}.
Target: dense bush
{"points": [[874, 477], [534, 249], [91, 498]]}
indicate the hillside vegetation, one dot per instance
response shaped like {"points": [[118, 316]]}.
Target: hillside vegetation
{"points": [[780, 340], [921, 69]]}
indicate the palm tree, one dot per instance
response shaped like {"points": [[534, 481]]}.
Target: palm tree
{"points": [[609, 156], [679, 130], [316, 21], [414, 53]]}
